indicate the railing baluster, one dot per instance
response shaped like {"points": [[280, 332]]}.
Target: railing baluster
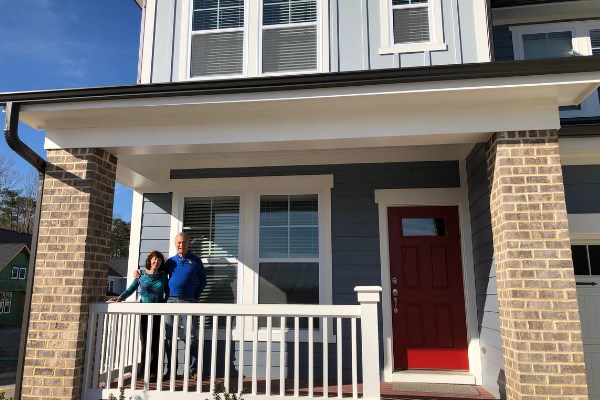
{"points": [[254, 352], [240, 387], [99, 349], [227, 352], [325, 359], [188, 336], [282, 357], [92, 331], [339, 356], [213, 353], [311, 357], [268, 363], [136, 349], [354, 364], [296, 356], [147, 350], [106, 318], [111, 350], [123, 349], [161, 354], [173, 349], [200, 353]]}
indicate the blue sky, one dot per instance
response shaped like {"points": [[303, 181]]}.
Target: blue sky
{"points": [[55, 44]]}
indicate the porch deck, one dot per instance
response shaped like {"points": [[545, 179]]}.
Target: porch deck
{"points": [[387, 390]]}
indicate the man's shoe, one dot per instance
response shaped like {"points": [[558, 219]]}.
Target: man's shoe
{"points": [[194, 375]]}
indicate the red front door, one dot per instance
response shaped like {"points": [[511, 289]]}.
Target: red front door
{"points": [[428, 308]]}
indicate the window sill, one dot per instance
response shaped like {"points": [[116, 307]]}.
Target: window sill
{"points": [[413, 48]]}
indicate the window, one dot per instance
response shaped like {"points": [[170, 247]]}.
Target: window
{"points": [[14, 273], [110, 286], [411, 26], [282, 36], [568, 39], [5, 302], [586, 259], [213, 225], [217, 38], [22, 273], [289, 35]]}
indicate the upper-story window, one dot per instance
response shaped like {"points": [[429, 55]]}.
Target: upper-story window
{"points": [[411, 26], [565, 39], [257, 37]]}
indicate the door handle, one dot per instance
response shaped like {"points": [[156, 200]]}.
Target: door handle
{"points": [[395, 295]]}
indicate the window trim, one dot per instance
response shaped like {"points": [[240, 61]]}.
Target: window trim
{"points": [[252, 64], [22, 273], [14, 273], [436, 31], [582, 46]]}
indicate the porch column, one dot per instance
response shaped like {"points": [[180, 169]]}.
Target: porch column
{"points": [[71, 269], [539, 316]]}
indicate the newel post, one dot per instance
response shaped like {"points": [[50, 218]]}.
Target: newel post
{"points": [[368, 297]]}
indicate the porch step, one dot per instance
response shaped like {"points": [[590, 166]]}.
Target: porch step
{"points": [[434, 376]]}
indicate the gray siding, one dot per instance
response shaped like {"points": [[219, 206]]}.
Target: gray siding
{"points": [[503, 44], [354, 38], [582, 188], [156, 224], [485, 272]]}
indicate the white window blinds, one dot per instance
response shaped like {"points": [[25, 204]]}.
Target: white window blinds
{"points": [[289, 35], [410, 21], [217, 38], [213, 225]]}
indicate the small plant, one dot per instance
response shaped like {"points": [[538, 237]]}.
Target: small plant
{"points": [[220, 389], [111, 397], [3, 397]]}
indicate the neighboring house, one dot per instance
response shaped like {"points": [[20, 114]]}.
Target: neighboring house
{"points": [[117, 276], [14, 265], [309, 147]]}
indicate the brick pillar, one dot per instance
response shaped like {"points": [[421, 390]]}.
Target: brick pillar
{"points": [[71, 269], [539, 316]]}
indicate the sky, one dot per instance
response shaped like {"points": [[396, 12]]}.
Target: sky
{"points": [[56, 44]]}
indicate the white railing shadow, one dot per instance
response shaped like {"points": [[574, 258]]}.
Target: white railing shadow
{"points": [[286, 363]]}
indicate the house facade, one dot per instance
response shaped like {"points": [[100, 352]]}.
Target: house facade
{"points": [[14, 263], [444, 150]]}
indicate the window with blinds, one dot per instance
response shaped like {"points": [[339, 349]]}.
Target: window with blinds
{"points": [[213, 225], [411, 21], [289, 35], [217, 43]]}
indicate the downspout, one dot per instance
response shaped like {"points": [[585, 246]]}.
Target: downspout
{"points": [[11, 134]]}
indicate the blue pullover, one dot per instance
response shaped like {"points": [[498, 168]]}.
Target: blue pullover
{"points": [[187, 277]]}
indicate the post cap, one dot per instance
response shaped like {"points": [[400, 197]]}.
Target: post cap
{"points": [[368, 293]]}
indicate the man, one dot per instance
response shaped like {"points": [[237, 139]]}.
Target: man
{"points": [[187, 280]]}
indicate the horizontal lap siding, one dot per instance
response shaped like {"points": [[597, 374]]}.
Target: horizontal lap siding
{"points": [[485, 272], [582, 188], [503, 43], [156, 224]]}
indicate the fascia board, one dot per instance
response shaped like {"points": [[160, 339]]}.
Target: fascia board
{"points": [[529, 14]]}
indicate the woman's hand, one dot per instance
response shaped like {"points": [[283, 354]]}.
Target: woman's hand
{"points": [[114, 300], [136, 274]]}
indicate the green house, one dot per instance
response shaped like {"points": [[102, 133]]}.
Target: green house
{"points": [[14, 265]]}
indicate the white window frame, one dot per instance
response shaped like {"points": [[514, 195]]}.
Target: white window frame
{"points": [[7, 300], [582, 46], [110, 286], [14, 273], [22, 273], [249, 191], [436, 30], [252, 58]]}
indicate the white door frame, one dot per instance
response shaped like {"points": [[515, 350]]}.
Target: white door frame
{"points": [[431, 197]]}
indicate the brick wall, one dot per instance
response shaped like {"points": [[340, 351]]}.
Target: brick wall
{"points": [[71, 269], [539, 316]]}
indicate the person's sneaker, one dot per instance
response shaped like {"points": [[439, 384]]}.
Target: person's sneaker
{"points": [[193, 375]]}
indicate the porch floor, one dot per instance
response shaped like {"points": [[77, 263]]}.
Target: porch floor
{"points": [[387, 392]]}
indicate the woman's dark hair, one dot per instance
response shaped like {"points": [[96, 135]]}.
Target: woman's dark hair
{"points": [[156, 254]]}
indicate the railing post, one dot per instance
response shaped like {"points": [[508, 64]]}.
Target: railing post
{"points": [[368, 297]]}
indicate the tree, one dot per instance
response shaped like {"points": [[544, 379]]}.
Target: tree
{"points": [[119, 242], [17, 205]]}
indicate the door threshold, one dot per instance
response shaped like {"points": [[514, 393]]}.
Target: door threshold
{"points": [[434, 376]]}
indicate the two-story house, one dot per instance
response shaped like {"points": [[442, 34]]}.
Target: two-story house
{"points": [[446, 151]]}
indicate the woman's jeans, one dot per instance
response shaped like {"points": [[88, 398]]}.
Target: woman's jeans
{"points": [[182, 324]]}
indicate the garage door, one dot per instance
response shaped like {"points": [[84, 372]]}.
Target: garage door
{"points": [[586, 260]]}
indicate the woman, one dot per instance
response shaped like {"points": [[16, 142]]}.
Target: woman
{"points": [[154, 289]]}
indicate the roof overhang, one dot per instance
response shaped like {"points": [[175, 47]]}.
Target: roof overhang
{"points": [[529, 12], [194, 124]]}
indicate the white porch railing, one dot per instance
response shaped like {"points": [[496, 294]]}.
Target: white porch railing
{"points": [[323, 332]]}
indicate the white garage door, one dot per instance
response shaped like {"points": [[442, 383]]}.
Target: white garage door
{"points": [[586, 260]]}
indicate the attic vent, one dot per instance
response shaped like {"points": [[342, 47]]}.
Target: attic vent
{"points": [[410, 21]]}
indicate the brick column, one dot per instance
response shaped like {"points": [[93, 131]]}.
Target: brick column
{"points": [[71, 269], [539, 316]]}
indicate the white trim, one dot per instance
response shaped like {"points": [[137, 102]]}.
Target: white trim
{"points": [[428, 197], [436, 31], [581, 9], [580, 38], [482, 31], [148, 42], [584, 226], [579, 151], [135, 235]]}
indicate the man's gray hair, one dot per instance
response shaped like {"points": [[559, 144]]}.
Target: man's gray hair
{"points": [[182, 235]]}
